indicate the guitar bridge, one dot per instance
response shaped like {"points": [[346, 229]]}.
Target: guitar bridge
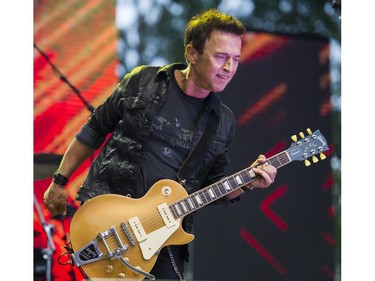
{"points": [[90, 252]]}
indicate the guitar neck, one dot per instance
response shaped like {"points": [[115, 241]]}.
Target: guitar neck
{"points": [[223, 187]]}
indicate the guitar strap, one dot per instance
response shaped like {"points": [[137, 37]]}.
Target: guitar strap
{"points": [[201, 148]]}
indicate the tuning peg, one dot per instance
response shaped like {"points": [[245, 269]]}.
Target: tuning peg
{"points": [[301, 135], [322, 156], [307, 163], [309, 131], [314, 159], [294, 138]]}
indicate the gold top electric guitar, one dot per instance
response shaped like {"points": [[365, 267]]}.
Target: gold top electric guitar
{"points": [[114, 236]]}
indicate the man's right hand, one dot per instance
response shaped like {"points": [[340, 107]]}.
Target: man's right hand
{"points": [[55, 198]]}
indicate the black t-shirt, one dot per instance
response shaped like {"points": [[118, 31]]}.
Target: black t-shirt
{"points": [[171, 136]]}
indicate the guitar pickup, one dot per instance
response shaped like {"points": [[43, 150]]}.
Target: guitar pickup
{"points": [[166, 215], [138, 229]]}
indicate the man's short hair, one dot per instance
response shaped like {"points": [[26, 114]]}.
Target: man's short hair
{"points": [[200, 27]]}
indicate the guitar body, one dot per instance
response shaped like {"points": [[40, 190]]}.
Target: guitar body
{"points": [[136, 228]]}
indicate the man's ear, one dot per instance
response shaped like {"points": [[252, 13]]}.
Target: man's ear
{"points": [[191, 54]]}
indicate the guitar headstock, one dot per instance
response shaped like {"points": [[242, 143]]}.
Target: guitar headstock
{"points": [[308, 147]]}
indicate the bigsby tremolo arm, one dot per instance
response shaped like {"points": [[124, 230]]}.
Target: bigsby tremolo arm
{"points": [[90, 252]]}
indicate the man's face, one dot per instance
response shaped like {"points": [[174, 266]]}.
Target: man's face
{"points": [[215, 68]]}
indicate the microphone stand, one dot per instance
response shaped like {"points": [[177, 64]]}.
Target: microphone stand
{"points": [[336, 5], [64, 79], [50, 249]]}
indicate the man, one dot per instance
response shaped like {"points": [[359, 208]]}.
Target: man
{"points": [[166, 122]]}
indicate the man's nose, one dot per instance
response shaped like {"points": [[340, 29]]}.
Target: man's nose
{"points": [[228, 65]]}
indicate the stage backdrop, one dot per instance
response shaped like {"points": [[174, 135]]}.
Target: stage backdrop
{"points": [[286, 231], [79, 39], [282, 88]]}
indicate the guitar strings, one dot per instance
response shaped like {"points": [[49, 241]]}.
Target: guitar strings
{"points": [[149, 224]]}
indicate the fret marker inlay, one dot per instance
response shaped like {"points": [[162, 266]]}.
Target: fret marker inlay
{"points": [[190, 203], [238, 179], [226, 185], [251, 173], [211, 193], [183, 206], [178, 209]]}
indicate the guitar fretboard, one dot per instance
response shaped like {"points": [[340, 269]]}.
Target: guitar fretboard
{"points": [[223, 187]]}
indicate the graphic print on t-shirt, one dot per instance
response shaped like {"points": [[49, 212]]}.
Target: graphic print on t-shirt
{"points": [[172, 136]]}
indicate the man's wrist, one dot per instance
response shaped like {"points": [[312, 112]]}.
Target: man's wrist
{"points": [[60, 179]]}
